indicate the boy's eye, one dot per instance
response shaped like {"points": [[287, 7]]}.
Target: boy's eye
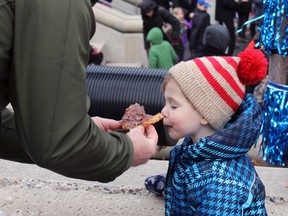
{"points": [[173, 106]]}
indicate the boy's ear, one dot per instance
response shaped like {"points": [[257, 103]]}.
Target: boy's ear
{"points": [[203, 121]]}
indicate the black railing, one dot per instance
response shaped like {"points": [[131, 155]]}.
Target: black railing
{"points": [[112, 89]]}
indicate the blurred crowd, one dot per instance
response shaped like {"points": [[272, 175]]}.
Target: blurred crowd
{"points": [[186, 26]]}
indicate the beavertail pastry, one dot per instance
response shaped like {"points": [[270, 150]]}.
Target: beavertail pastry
{"points": [[135, 115]]}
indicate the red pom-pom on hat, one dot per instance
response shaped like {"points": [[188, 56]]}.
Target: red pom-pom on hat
{"points": [[252, 67]]}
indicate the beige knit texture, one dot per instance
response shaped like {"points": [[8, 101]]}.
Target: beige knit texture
{"points": [[202, 95]]}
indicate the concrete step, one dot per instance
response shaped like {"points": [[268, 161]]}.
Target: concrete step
{"points": [[30, 190]]}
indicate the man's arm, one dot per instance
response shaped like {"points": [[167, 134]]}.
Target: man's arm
{"points": [[48, 92]]}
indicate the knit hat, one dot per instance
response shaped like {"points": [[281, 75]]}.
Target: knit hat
{"points": [[215, 86]]}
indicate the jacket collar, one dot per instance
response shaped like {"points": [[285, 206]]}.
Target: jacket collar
{"points": [[236, 139]]}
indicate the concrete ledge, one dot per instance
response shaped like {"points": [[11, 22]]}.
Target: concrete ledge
{"points": [[134, 64], [118, 20], [30, 190]]}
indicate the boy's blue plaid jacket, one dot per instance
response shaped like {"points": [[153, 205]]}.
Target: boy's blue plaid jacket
{"points": [[215, 176]]}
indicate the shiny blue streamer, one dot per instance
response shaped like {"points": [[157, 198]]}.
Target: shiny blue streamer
{"points": [[275, 127], [272, 40], [250, 21]]}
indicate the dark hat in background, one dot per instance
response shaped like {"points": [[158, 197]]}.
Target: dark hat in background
{"points": [[216, 36], [147, 6]]}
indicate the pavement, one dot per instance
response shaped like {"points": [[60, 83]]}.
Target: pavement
{"points": [[28, 190]]}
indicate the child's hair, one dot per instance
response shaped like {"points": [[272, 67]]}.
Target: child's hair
{"points": [[167, 78], [215, 86]]}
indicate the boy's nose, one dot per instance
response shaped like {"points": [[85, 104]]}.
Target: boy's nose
{"points": [[164, 112]]}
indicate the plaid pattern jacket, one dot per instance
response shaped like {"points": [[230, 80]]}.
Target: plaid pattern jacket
{"points": [[215, 176]]}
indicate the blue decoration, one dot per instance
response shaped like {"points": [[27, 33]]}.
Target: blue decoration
{"points": [[250, 21], [275, 127], [276, 16]]}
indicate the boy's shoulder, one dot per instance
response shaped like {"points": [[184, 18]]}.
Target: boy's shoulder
{"points": [[201, 13]]}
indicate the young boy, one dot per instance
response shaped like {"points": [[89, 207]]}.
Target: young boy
{"points": [[161, 53], [210, 173]]}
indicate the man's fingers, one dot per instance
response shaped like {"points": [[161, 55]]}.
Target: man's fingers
{"points": [[152, 133]]}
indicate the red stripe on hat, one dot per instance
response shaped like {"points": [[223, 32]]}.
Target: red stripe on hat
{"points": [[216, 85], [227, 75], [232, 62]]}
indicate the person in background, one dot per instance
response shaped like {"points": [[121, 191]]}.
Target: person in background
{"points": [[243, 11], [200, 21], [258, 10], [225, 12], [185, 26], [210, 172], [161, 53], [215, 40], [157, 16], [43, 61]]}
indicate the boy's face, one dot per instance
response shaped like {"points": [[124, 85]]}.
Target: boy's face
{"points": [[180, 118]]}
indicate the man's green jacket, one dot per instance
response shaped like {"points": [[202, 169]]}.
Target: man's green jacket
{"points": [[43, 57]]}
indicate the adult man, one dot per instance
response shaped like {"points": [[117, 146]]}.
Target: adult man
{"points": [[44, 47]]}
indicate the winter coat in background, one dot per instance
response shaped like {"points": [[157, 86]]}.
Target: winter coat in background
{"points": [[215, 176], [225, 10], [161, 53], [244, 7], [200, 21], [185, 26]]}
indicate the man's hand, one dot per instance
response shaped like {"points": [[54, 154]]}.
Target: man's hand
{"points": [[144, 142]]}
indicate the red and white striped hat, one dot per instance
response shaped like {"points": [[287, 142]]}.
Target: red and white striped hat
{"points": [[215, 86]]}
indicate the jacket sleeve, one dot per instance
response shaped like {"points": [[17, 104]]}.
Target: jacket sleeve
{"points": [[49, 96], [194, 32], [152, 59], [170, 18]]}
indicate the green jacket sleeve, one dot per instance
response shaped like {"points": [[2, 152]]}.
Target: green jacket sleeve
{"points": [[48, 92], [153, 60]]}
